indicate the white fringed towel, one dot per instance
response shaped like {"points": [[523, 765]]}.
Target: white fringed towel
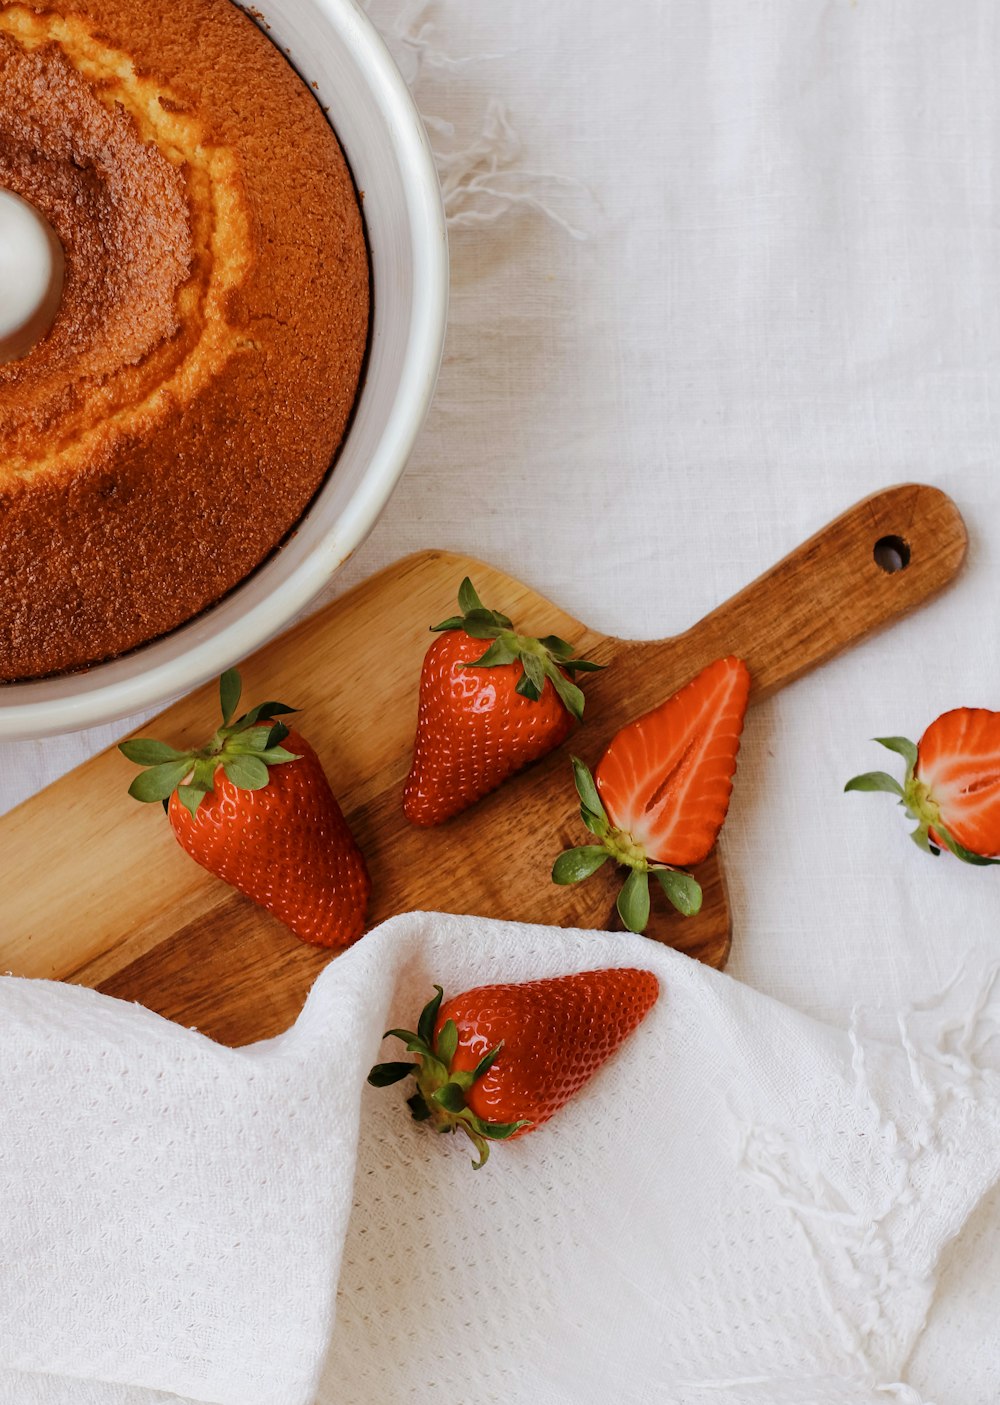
{"points": [[745, 1207]]}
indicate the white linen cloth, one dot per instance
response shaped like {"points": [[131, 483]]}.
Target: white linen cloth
{"points": [[787, 295], [743, 1206]]}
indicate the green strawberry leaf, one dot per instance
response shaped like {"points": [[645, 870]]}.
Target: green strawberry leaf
{"points": [[922, 840], [428, 1017], [586, 788], [382, 1075], [247, 772], [557, 647], [278, 756], [190, 797], [203, 776], [681, 889], [481, 624], [418, 1108], [159, 782], [570, 695], [875, 780], [276, 736], [527, 688], [633, 901], [583, 666], [486, 1062], [407, 1036], [230, 688], [902, 747], [447, 1042], [146, 752], [468, 599], [250, 740], [451, 1097], [573, 865], [594, 823], [263, 712], [499, 652], [500, 1131], [534, 668]]}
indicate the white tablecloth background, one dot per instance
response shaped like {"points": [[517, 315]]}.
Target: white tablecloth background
{"points": [[784, 295]]}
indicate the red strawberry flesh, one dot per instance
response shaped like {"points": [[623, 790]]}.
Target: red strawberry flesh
{"points": [[666, 779], [958, 760]]}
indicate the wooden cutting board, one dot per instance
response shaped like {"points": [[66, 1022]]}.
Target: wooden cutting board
{"points": [[98, 892]]}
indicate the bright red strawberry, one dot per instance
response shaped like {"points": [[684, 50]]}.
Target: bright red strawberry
{"points": [[486, 714], [952, 784], [661, 791], [255, 808], [499, 1060]]}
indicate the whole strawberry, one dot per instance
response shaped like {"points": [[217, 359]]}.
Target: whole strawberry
{"points": [[255, 808], [952, 784], [499, 1060], [486, 714], [660, 793]]}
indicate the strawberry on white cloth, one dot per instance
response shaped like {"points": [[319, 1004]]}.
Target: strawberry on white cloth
{"points": [[743, 1206]]}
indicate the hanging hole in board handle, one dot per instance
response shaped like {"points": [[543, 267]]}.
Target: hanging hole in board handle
{"points": [[891, 554]]}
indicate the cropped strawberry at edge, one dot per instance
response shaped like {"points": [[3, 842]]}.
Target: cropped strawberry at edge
{"points": [[491, 701], [254, 807], [661, 791], [951, 786]]}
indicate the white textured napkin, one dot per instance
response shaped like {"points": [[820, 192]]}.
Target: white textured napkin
{"points": [[743, 1206]]}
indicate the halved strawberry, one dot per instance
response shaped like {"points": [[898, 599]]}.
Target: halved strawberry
{"points": [[661, 791], [952, 784]]}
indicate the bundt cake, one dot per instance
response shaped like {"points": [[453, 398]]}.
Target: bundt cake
{"points": [[171, 427]]}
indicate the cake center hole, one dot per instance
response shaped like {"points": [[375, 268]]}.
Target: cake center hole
{"points": [[31, 276], [892, 554]]}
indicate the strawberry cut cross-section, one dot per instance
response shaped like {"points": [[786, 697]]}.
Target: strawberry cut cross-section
{"points": [[666, 778]]}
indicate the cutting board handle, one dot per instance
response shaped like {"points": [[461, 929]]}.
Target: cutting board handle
{"points": [[879, 560]]}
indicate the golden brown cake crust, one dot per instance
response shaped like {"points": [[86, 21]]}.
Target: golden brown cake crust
{"points": [[186, 404]]}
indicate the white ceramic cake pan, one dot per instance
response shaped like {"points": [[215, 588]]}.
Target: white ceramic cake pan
{"points": [[332, 44]]}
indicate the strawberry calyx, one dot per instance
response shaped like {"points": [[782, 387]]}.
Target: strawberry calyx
{"points": [[681, 889], [245, 747], [440, 1096], [548, 659], [917, 799]]}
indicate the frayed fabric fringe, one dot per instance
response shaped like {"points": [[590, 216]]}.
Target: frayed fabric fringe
{"points": [[865, 1245]]}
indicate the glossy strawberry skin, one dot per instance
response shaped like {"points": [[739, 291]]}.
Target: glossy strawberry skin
{"points": [[958, 760], [286, 846], [555, 1033], [474, 730], [666, 779]]}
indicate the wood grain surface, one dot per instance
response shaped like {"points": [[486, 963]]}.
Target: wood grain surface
{"points": [[98, 891]]}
